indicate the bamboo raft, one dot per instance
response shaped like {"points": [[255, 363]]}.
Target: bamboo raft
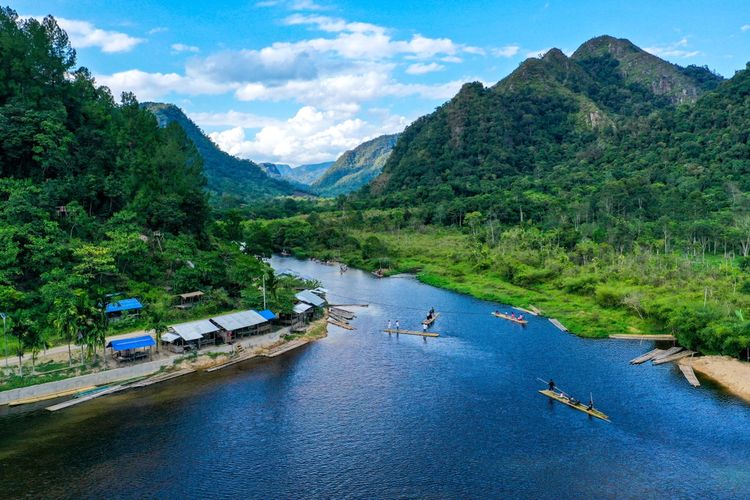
{"points": [[687, 370], [285, 348], [430, 321], [577, 405], [54, 395], [673, 357], [668, 352], [509, 318], [89, 397], [645, 357], [527, 311], [343, 313], [559, 325], [535, 310], [412, 332], [628, 336], [345, 326]]}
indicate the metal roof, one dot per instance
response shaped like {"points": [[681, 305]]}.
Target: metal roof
{"points": [[123, 305], [169, 337], [239, 320], [302, 307], [310, 298], [190, 295], [194, 330], [131, 343], [268, 314]]}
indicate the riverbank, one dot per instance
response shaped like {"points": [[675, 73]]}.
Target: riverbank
{"points": [[730, 373]]}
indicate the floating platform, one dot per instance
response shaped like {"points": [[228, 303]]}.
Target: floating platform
{"points": [[509, 318], [527, 311], [687, 370], [575, 405], [161, 378], [430, 321], [645, 357], [628, 336], [83, 399], [278, 351], [411, 332], [559, 325], [342, 312], [349, 305], [340, 324], [673, 357]]}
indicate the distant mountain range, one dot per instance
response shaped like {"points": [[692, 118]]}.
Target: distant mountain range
{"points": [[228, 176], [357, 167], [304, 174]]}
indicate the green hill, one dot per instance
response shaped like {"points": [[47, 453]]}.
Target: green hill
{"points": [[303, 175], [228, 176], [357, 167]]}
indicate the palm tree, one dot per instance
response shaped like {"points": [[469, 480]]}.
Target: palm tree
{"points": [[67, 320], [157, 323]]}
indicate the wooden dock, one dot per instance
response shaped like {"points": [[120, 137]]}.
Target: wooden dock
{"points": [[673, 357], [161, 377], [645, 357], [668, 352], [349, 305], [76, 401], [278, 351], [559, 325], [628, 336], [687, 370], [240, 359], [411, 332]]}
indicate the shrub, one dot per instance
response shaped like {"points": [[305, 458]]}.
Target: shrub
{"points": [[609, 296]]}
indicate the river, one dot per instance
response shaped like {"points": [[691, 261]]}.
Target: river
{"points": [[365, 414]]}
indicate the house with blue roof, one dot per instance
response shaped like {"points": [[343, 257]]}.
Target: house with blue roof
{"points": [[121, 308]]}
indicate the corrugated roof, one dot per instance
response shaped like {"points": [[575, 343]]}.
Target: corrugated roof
{"points": [[302, 307], [268, 314], [310, 298], [131, 343], [239, 320], [123, 305], [169, 337], [194, 330]]}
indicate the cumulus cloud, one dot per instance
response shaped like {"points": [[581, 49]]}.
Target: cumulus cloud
{"points": [[311, 135], [83, 34], [507, 51], [234, 119], [148, 86], [676, 49], [276, 63], [181, 47], [158, 29], [421, 69]]}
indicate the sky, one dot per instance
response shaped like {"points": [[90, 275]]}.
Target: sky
{"points": [[301, 81]]}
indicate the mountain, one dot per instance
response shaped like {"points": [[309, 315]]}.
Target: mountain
{"points": [[610, 133], [275, 170], [356, 167], [227, 175]]}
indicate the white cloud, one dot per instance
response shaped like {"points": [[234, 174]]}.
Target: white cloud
{"points": [[158, 29], [538, 53], [311, 135], [233, 118], [181, 47], [267, 3], [507, 51], [452, 59], [676, 49], [155, 85], [83, 34], [421, 69], [745, 27], [306, 5]]}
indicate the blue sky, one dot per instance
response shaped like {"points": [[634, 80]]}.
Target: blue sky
{"points": [[301, 81]]}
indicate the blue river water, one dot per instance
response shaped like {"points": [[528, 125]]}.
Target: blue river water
{"points": [[365, 414]]}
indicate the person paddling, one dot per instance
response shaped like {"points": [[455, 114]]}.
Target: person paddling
{"points": [[551, 385]]}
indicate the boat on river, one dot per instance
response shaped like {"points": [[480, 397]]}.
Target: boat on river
{"points": [[575, 404], [509, 318], [431, 319]]}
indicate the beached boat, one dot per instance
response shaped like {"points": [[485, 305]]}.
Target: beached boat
{"points": [[577, 405], [509, 318], [431, 320]]}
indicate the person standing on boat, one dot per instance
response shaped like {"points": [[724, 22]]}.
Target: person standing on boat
{"points": [[551, 385]]}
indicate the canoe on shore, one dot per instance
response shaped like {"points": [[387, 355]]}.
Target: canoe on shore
{"points": [[576, 405], [432, 319], [509, 318]]}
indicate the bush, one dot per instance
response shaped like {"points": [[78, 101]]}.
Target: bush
{"points": [[582, 285], [609, 296]]}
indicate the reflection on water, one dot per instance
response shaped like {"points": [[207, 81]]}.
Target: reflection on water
{"points": [[362, 414]]}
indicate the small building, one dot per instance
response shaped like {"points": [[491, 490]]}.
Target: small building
{"points": [[240, 324], [309, 297], [188, 300], [122, 308], [190, 336], [131, 349], [268, 314], [302, 313]]}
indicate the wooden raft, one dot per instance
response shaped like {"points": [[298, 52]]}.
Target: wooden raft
{"points": [[559, 325], [687, 370], [628, 336], [340, 324], [162, 377], [412, 332], [646, 357], [674, 357], [668, 352], [430, 321], [73, 402], [509, 318]]}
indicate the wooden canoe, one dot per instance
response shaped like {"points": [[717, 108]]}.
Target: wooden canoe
{"points": [[430, 321], [509, 318], [575, 405]]}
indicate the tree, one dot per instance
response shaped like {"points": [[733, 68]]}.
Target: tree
{"points": [[156, 322]]}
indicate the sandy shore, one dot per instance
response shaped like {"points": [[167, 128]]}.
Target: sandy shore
{"points": [[730, 373]]}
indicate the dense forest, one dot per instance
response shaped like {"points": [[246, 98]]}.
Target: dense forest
{"points": [[100, 203]]}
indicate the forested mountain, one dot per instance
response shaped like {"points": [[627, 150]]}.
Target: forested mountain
{"points": [[303, 175], [356, 167], [596, 138], [228, 176]]}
